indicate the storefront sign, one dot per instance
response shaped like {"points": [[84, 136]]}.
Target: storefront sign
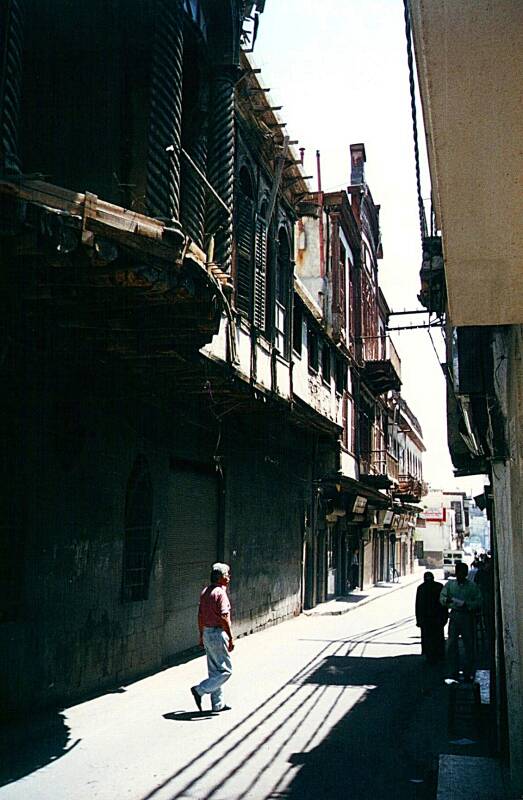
{"points": [[436, 514], [385, 518], [360, 504]]}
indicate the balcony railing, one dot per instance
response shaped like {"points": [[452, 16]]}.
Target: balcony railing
{"points": [[382, 363], [380, 462], [410, 488]]}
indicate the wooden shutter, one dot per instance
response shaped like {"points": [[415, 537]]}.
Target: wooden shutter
{"points": [[260, 273], [244, 247]]}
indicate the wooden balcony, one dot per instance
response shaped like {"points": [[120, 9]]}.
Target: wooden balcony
{"points": [[382, 364], [379, 468], [409, 488], [102, 282]]}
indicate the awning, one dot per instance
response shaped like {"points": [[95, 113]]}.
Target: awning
{"points": [[340, 484]]}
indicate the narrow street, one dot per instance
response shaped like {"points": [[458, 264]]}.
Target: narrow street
{"points": [[322, 707]]}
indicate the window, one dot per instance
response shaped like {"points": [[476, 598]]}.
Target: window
{"points": [[349, 433], [297, 325], [342, 292], [352, 302], [345, 423], [283, 275], [244, 242], [260, 268], [326, 363], [279, 327], [340, 375], [352, 420], [312, 349], [138, 524]]}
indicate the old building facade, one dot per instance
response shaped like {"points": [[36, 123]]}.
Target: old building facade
{"points": [[175, 390], [369, 508]]}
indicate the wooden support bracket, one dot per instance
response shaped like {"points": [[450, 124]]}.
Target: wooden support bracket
{"points": [[89, 211]]}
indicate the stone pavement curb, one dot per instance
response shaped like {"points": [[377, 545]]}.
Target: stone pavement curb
{"points": [[376, 592]]}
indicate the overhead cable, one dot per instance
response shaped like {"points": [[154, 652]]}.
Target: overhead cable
{"points": [[408, 35]]}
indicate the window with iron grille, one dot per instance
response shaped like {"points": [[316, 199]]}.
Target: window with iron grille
{"points": [[244, 235], [138, 525]]}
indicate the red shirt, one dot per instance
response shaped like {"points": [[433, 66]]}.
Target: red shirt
{"points": [[214, 605]]}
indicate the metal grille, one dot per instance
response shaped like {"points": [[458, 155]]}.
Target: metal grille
{"points": [[138, 523], [190, 547]]}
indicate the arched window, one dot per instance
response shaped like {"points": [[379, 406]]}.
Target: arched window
{"points": [[138, 525], [283, 276], [244, 241]]}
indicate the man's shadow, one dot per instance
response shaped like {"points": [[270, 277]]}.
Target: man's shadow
{"points": [[189, 716]]}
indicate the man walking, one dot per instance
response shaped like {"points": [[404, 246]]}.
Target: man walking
{"points": [[463, 598], [214, 624], [431, 618]]}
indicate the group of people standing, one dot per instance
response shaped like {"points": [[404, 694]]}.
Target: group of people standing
{"points": [[458, 603]]}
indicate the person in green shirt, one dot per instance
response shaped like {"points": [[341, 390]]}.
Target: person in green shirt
{"points": [[463, 599]]}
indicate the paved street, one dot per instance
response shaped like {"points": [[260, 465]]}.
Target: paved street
{"points": [[323, 707]]}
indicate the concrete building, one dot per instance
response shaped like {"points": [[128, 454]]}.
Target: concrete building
{"points": [[469, 58], [446, 518]]}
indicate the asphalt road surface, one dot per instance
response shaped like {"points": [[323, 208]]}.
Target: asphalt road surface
{"points": [[322, 707]]}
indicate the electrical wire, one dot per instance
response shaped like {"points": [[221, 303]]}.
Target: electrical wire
{"points": [[434, 346], [412, 84]]}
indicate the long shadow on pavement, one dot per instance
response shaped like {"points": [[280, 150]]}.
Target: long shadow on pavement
{"points": [[379, 749], [248, 729]]}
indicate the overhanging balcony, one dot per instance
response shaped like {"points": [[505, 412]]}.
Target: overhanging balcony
{"points": [[104, 282], [382, 364], [379, 468], [409, 488]]}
